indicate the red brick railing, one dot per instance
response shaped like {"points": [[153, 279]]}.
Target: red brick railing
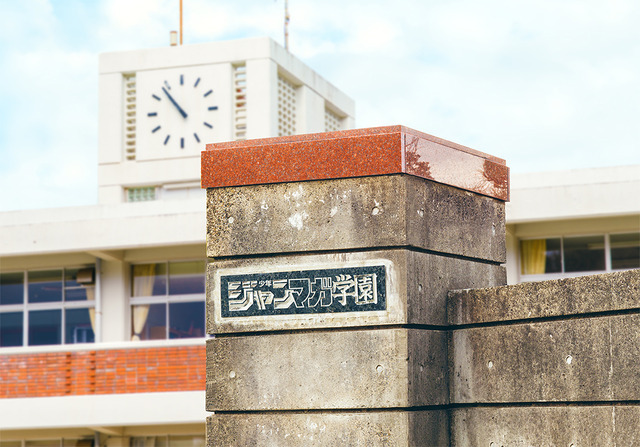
{"points": [[103, 371]]}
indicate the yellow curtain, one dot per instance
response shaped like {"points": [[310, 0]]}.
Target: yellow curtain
{"points": [[533, 256], [140, 314], [91, 295], [143, 279]]}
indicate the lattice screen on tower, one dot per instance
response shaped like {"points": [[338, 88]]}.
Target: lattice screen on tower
{"points": [[332, 121], [286, 107], [240, 102], [129, 83]]}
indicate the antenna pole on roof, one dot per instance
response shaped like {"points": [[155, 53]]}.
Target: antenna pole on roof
{"points": [[180, 22]]}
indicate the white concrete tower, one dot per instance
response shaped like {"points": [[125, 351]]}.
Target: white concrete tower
{"points": [[159, 107]]}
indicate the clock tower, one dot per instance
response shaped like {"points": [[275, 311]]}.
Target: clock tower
{"points": [[160, 107]]}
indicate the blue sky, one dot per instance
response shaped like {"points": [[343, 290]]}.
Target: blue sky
{"points": [[546, 85]]}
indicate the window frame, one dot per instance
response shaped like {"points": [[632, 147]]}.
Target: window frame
{"points": [[564, 274], [63, 305], [165, 299]]}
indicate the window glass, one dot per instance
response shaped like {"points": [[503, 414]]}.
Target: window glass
{"points": [[43, 443], [45, 286], [11, 288], [625, 251], [186, 277], [76, 294], [71, 278], [147, 441], [553, 262], [45, 327], [82, 442], [168, 308], [186, 441], [78, 283], [78, 326], [149, 322], [149, 280], [186, 320], [141, 194], [10, 444], [540, 256], [11, 329], [584, 253]]}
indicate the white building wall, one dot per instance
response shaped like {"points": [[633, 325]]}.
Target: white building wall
{"points": [[574, 194], [262, 98], [108, 410], [110, 111], [114, 293], [570, 203], [310, 111]]}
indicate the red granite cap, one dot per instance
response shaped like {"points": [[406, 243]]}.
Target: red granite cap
{"points": [[354, 153]]}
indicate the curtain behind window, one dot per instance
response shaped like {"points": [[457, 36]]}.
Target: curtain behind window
{"points": [[143, 279], [533, 256]]}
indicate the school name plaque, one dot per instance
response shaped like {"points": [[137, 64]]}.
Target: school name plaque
{"points": [[348, 289]]}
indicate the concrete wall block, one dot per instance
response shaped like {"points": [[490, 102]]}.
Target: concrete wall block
{"points": [[417, 286], [430, 277], [354, 213], [450, 220], [577, 360], [546, 426], [353, 429], [383, 368], [571, 296]]}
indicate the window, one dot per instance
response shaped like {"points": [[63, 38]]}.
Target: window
{"points": [[47, 307], [141, 194], [167, 300], [66, 442], [625, 251], [168, 441], [571, 255]]}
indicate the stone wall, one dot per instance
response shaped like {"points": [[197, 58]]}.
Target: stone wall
{"points": [[330, 260], [333, 293], [549, 363]]}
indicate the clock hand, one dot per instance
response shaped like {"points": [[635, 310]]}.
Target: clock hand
{"points": [[173, 101]]}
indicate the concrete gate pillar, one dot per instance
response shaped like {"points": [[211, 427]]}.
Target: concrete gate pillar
{"points": [[330, 258]]}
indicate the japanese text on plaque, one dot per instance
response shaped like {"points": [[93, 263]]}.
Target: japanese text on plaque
{"points": [[349, 289]]}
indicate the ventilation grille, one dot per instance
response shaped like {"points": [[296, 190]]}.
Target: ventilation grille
{"points": [[240, 102], [141, 194], [129, 80], [332, 121], [286, 107]]}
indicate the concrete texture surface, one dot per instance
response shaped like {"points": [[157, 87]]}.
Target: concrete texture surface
{"points": [[417, 286], [571, 296], [351, 214], [575, 360], [546, 426], [353, 429], [353, 369]]}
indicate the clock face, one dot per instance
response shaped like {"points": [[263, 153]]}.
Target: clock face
{"points": [[185, 111], [180, 110]]}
